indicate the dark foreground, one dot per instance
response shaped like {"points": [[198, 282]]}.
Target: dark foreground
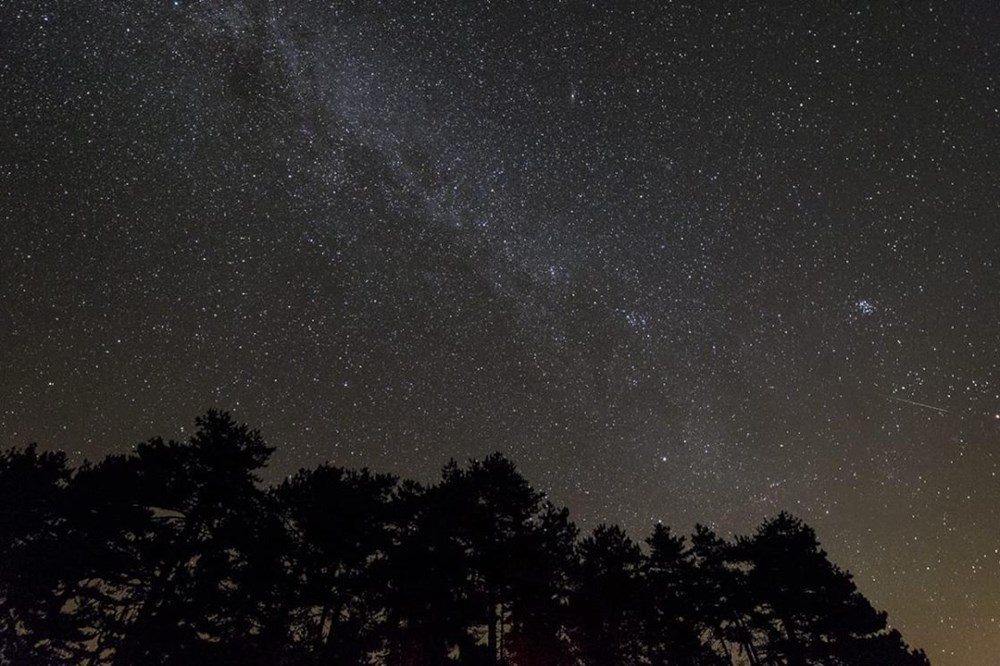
{"points": [[175, 554]]}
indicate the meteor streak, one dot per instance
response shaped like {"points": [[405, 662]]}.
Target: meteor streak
{"points": [[942, 410]]}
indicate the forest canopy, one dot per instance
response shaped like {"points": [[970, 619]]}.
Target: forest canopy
{"points": [[176, 553]]}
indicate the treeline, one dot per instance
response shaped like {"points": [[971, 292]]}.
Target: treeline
{"points": [[175, 554]]}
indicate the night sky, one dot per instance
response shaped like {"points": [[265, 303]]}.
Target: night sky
{"points": [[682, 261]]}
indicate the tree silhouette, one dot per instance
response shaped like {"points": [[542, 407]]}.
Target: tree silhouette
{"points": [[33, 564], [544, 575], [175, 554], [426, 578], [493, 508], [483, 522], [810, 610], [606, 620], [186, 603], [339, 522], [675, 618], [720, 595], [117, 538]]}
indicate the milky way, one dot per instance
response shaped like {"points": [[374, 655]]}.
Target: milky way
{"points": [[682, 261]]}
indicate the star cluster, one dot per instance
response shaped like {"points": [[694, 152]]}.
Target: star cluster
{"points": [[682, 261]]}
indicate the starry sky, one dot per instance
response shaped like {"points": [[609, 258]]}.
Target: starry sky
{"points": [[682, 261]]}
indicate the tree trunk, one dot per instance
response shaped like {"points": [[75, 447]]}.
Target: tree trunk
{"points": [[491, 627], [747, 642], [321, 628]]}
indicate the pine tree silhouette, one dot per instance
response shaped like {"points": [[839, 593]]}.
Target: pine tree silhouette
{"points": [[175, 554], [606, 620], [33, 563], [675, 618], [809, 609]]}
